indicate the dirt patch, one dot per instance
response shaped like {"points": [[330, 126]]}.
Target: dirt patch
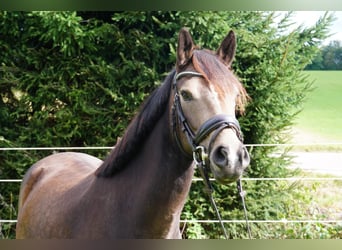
{"points": [[300, 136], [318, 156], [319, 162], [310, 142]]}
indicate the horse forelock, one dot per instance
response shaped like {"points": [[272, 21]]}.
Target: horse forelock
{"points": [[216, 72], [138, 130]]}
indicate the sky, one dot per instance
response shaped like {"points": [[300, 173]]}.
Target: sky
{"points": [[309, 18]]}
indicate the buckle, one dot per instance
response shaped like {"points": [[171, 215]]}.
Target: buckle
{"points": [[199, 155]]}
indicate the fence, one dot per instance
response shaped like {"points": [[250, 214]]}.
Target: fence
{"points": [[291, 179]]}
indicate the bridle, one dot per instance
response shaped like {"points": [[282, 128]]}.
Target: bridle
{"points": [[216, 123], [199, 154]]}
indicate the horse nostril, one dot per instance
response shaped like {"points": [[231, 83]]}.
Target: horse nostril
{"points": [[220, 156]]}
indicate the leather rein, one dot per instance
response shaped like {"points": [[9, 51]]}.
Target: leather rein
{"points": [[213, 125]]}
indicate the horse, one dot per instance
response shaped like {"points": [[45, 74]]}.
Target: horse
{"points": [[140, 188]]}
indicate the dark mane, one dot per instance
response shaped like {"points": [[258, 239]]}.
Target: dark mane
{"points": [[138, 130]]}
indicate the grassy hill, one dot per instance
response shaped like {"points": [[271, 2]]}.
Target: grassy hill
{"points": [[321, 118]]}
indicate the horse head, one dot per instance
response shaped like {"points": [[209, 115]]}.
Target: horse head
{"points": [[207, 96]]}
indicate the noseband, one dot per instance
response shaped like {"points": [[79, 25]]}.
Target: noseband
{"points": [[216, 123]]}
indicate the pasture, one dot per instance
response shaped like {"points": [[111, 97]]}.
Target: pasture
{"points": [[320, 122], [321, 117]]}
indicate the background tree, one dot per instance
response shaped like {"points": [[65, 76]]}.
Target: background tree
{"points": [[328, 58], [77, 78], [332, 56]]}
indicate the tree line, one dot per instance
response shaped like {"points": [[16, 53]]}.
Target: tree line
{"points": [[329, 57]]}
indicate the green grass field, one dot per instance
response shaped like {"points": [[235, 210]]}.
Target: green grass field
{"points": [[321, 122], [322, 113]]}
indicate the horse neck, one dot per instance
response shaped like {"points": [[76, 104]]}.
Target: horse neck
{"points": [[167, 167], [165, 177]]}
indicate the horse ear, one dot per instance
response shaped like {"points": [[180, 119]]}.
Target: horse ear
{"points": [[227, 49], [185, 48]]}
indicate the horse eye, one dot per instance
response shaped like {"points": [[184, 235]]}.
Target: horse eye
{"points": [[187, 96]]}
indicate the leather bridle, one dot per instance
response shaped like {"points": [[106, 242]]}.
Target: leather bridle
{"points": [[213, 125], [216, 123]]}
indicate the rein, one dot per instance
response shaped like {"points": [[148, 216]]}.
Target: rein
{"points": [[215, 124]]}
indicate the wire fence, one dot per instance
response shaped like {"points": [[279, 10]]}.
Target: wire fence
{"points": [[289, 179]]}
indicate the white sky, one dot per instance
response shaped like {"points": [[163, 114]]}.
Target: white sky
{"points": [[309, 18]]}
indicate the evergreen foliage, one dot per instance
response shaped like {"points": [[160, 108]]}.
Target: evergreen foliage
{"points": [[77, 78]]}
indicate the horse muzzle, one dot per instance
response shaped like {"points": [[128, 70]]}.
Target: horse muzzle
{"points": [[228, 165], [225, 155]]}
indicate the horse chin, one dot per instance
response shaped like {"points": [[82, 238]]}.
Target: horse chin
{"points": [[228, 180], [225, 177]]}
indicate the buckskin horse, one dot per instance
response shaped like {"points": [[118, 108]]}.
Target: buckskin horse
{"points": [[139, 190]]}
